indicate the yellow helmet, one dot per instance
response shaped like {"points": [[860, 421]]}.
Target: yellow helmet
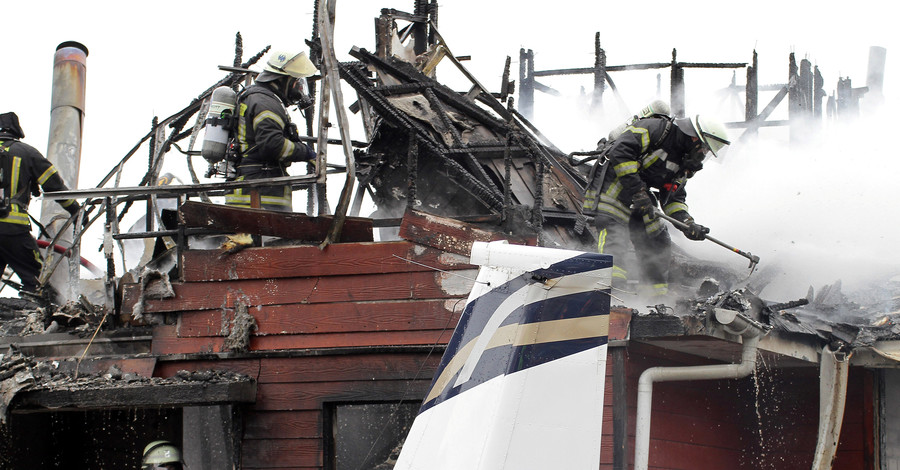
{"points": [[296, 65]]}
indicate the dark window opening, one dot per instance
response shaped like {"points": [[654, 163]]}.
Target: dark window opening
{"points": [[367, 435], [96, 439]]}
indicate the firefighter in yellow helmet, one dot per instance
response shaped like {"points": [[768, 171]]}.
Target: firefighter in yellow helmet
{"points": [[268, 141], [649, 165], [159, 455]]}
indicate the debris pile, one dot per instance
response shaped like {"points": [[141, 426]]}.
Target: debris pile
{"points": [[22, 317]]}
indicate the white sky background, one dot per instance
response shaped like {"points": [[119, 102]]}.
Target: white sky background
{"points": [[829, 208]]}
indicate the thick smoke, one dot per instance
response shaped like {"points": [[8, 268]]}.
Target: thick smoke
{"points": [[816, 211], [816, 203]]}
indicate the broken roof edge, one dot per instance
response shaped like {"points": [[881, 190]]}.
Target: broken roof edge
{"points": [[880, 355], [701, 337]]}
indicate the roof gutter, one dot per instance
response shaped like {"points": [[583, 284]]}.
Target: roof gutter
{"points": [[833, 369], [735, 323]]}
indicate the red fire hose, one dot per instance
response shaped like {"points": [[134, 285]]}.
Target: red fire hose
{"points": [[63, 251]]}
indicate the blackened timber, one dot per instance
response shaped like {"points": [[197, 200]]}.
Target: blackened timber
{"points": [[625, 68], [676, 84], [608, 68], [488, 195], [752, 92], [526, 82], [123, 396], [600, 72], [544, 88], [271, 223], [473, 166], [417, 82], [711, 65], [486, 149]]}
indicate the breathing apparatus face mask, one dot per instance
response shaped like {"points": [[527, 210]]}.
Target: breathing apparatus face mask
{"points": [[298, 93], [693, 161]]}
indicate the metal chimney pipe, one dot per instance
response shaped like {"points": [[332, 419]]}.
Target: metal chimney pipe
{"points": [[64, 143]]}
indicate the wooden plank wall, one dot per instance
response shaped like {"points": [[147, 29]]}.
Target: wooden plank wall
{"points": [[354, 322], [768, 421]]}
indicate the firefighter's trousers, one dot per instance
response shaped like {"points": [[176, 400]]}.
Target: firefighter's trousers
{"points": [[652, 250]]}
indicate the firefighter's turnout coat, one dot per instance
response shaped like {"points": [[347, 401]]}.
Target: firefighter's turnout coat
{"points": [[24, 173], [646, 156], [268, 143]]}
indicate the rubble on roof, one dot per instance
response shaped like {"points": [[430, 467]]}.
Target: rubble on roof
{"points": [[19, 317], [20, 373]]}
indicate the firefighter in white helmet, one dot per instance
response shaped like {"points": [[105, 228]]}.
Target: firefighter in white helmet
{"points": [[160, 455], [268, 141], [649, 164]]}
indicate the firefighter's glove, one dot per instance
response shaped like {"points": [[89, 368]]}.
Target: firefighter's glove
{"points": [[72, 208], [642, 203], [292, 133], [695, 231]]}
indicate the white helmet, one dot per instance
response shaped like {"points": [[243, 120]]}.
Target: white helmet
{"points": [[290, 63], [161, 455], [711, 132]]}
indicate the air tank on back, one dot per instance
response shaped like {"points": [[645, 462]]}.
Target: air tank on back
{"points": [[656, 107], [218, 123]]}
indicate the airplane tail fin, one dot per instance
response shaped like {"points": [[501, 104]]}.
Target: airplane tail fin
{"points": [[521, 383]]}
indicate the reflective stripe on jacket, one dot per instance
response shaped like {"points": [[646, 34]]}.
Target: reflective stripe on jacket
{"points": [[646, 155], [24, 170]]}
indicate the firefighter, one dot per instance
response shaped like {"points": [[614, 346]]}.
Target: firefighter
{"points": [[648, 166], [161, 455], [267, 140], [22, 170]]}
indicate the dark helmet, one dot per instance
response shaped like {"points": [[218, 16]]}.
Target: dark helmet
{"points": [[9, 123]]}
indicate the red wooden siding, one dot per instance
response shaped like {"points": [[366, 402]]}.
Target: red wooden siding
{"points": [[336, 323], [768, 421]]}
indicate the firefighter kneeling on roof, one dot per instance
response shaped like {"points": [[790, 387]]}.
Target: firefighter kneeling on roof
{"points": [[647, 167], [268, 142]]}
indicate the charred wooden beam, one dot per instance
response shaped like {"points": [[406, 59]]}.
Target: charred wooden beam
{"points": [[271, 223], [526, 82], [608, 68], [487, 194], [599, 74], [677, 87], [752, 93], [136, 396]]}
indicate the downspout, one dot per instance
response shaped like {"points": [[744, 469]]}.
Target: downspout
{"points": [[833, 369], [64, 143], [735, 323]]}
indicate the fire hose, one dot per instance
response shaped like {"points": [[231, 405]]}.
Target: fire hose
{"points": [[754, 260], [65, 251]]}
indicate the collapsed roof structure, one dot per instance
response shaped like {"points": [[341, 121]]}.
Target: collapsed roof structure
{"points": [[285, 355]]}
